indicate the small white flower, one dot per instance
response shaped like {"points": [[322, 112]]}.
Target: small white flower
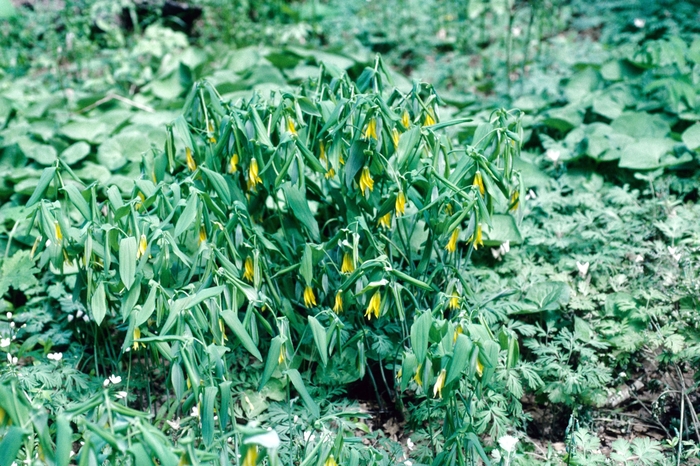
{"points": [[86, 318], [115, 379], [496, 454], [105, 383], [55, 356], [71, 317], [175, 425], [496, 253], [195, 411], [8, 315], [79, 314], [120, 395], [410, 444], [12, 325], [4, 343], [674, 253], [639, 258], [530, 195], [505, 247], [582, 268], [508, 442], [11, 359], [517, 30], [552, 154], [639, 22], [408, 463]]}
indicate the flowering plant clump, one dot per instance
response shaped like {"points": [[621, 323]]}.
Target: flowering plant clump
{"points": [[326, 226]]}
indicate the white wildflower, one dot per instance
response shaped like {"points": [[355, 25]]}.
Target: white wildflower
{"points": [[410, 444], [582, 268], [115, 379], [553, 155], [675, 254], [175, 425], [8, 315], [120, 395], [55, 356], [4, 343], [639, 23], [11, 359], [71, 317], [507, 443]]}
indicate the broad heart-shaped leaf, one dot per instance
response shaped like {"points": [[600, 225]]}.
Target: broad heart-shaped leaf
{"points": [[548, 296], [127, 260], [298, 383], [76, 152], [297, 204], [581, 84], [85, 130], [319, 338], [503, 228], [98, 304], [645, 154], [420, 334], [691, 137], [231, 319], [641, 125]]}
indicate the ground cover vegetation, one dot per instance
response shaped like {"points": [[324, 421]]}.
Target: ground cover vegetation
{"points": [[323, 232]]}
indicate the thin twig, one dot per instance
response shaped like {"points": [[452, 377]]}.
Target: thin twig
{"points": [[112, 96]]}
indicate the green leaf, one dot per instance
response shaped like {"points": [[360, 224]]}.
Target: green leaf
{"points": [[231, 319], [641, 125], [11, 443], [645, 154], [75, 152], [299, 207], [207, 414], [420, 333], [319, 338], [460, 358], [691, 137], [219, 184], [188, 215], [272, 361], [77, 199], [18, 272], [149, 306], [306, 269], [502, 228], [98, 304], [548, 296], [298, 383], [127, 260], [64, 440], [46, 177]]}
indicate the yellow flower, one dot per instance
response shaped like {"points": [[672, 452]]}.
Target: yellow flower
{"points": [[137, 335], [479, 182], [395, 137], [374, 306], [248, 269], [322, 148], [370, 130], [233, 164], [341, 160], [290, 127], [479, 367], [429, 120], [309, 297], [439, 383], [143, 244], [458, 331], [385, 221], [191, 164], [57, 230], [400, 205], [253, 178], [140, 203], [348, 265], [330, 461], [338, 306], [405, 119], [366, 181], [280, 359], [251, 456], [202, 234], [212, 138], [417, 376], [330, 173], [454, 300], [452, 243], [477, 237], [514, 201], [448, 209], [223, 330]]}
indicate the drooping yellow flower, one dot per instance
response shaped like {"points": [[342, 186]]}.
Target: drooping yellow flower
{"points": [[454, 300], [253, 178], [330, 173], [212, 138], [479, 367], [448, 208], [374, 306], [458, 331], [223, 330], [348, 265], [251, 456], [479, 182], [405, 119], [140, 202], [290, 127], [366, 181], [57, 230], [338, 306], [395, 138], [400, 205], [341, 160], [330, 461], [429, 120], [322, 150], [143, 244], [452, 243], [439, 383], [248, 269], [309, 297], [370, 130], [514, 201], [280, 358], [385, 221], [476, 238], [191, 164], [202, 234], [233, 164], [416, 377], [137, 335]]}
